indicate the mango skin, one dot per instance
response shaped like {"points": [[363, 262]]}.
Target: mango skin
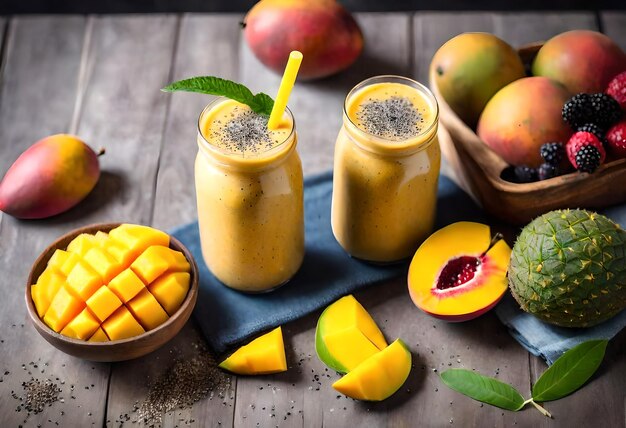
{"points": [[50, 177], [521, 117], [581, 60], [326, 34], [470, 68]]}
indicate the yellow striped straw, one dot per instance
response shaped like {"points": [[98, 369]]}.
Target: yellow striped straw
{"points": [[286, 85]]}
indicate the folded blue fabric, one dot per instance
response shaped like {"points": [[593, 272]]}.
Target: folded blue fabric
{"points": [[227, 317]]}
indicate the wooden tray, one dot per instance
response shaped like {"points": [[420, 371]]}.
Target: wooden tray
{"points": [[478, 171]]}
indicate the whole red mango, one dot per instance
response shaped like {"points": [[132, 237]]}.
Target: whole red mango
{"points": [[326, 34], [50, 177]]}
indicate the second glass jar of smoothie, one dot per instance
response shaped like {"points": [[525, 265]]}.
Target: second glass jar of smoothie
{"points": [[250, 197], [387, 160]]}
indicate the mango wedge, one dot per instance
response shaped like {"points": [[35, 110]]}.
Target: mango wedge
{"points": [[263, 355], [346, 335], [379, 376]]}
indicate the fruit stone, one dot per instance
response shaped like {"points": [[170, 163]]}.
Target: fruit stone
{"points": [[521, 117], [568, 268], [379, 376], [459, 273], [326, 34], [470, 68], [263, 355], [346, 335], [95, 290], [50, 177]]}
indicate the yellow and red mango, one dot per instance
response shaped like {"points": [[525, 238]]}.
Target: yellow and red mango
{"points": [[582, 60], [326, 34], [521, 117], [457, 274], [470, 68], [264, 355], [50, 177], [346, 335], [379, 376]]}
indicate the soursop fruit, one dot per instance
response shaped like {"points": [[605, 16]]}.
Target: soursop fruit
{"points": [[568, 268]]}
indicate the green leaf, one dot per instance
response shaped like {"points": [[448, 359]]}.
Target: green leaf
{"points": [[483, 388], [570, 371], [260, 103]]}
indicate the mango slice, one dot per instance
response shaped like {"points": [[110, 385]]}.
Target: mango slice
{"points": [[447, 256], [112, 286], [263, 355], [379, 376], [346, 335], [170, 290]]}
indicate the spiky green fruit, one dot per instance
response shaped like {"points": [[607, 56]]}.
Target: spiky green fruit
{"points": [[568, 268]]}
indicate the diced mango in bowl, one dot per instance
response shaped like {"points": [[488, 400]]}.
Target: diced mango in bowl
{"points": [[112, 286]]}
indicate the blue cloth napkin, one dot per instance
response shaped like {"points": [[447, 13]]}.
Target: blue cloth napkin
{"points": [[228, 317]]}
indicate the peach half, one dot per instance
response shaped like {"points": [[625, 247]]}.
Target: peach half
{"points": [[459, 272]]}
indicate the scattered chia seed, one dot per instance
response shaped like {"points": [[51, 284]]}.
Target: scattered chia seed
{"points": [[37, 395], [245, 132], [394, 118]]}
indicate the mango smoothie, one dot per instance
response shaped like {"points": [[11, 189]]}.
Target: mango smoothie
{"points": [[250, 197], [386, 169]]}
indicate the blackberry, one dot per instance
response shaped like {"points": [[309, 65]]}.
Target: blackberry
{"points": [[593, 128], [588, 159], [606, 111], [552, 153], [525, 174], [546, 171], [577, 110]]}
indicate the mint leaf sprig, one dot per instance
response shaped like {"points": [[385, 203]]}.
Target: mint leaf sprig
{"points": [[260, 103], [568, 373]]}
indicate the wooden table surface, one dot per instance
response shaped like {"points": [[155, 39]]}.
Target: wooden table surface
{"points": [[99, 77]]}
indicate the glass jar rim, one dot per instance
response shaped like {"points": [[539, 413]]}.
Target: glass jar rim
{"points": [[406, 143]]}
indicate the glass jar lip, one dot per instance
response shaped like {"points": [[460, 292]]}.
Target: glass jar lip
{"points": [[392, 78], [261, 154]]}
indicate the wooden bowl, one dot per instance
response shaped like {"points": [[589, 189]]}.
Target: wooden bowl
{"points": [[116, 350], [478, 171]]}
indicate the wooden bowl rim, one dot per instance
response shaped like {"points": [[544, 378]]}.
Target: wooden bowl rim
{"points": [[43, 328], [496, 180]]}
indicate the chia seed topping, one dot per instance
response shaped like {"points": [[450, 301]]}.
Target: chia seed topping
{"points": [[394, 118], [244, 132]]}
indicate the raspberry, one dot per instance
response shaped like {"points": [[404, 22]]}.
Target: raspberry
{"points": [[594, 129], [546, 171], [580, 140], [577, 110], [525, 174], [617, 89], [588, 159], [616, 139], [552, 153], [606, 111]]}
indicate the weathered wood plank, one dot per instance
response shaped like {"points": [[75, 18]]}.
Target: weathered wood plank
{"points": [[317, 105], [207, 45], [614, 26], [39, 84], [527, 27]]}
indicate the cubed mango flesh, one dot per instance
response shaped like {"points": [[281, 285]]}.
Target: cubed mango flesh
{"points": [[96, 289], [103, 303], [157, 260], [122, 325], [147, 310], [63, 308], [99, 336], [170, 290], [82, 327]]}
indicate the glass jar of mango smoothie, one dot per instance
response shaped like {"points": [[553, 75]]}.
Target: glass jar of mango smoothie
{"points": [[250, 197], [387, 160]]}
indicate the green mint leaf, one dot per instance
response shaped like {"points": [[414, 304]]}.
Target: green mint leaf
{"points": [[570, 371], [483, 388], [260, 103]]}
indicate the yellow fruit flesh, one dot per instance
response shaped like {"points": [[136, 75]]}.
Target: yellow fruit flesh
{"points": [[458, 239], [350, 347], [263, 355], [100, 300], [379, 376], [137, 238]]}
